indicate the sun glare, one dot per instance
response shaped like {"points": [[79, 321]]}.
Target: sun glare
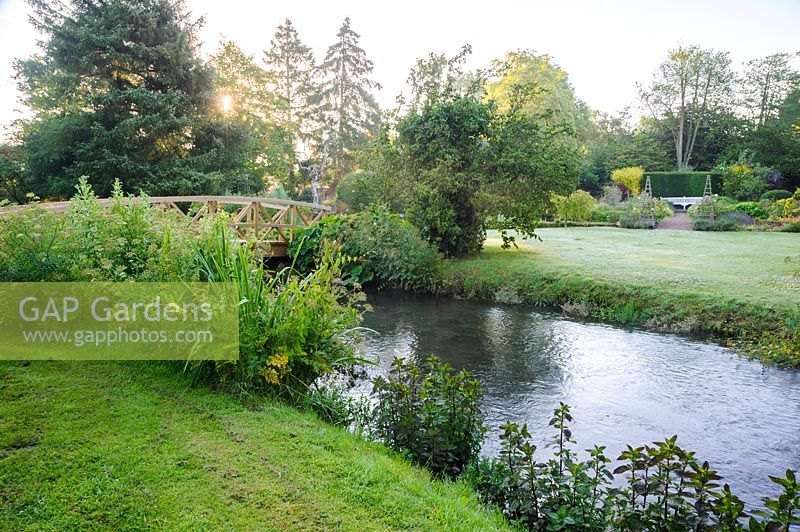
{"points": [[227, 103]]}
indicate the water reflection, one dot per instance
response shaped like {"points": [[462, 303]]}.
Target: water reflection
{"points": [[624, 386]]}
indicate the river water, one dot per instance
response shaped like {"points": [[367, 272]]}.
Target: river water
{"points": [[623, 385]]}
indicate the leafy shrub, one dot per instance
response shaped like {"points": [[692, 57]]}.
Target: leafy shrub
{"points": [[708, 208], [602, 212], [791, 227], [611, 195], [738, 217], [789, 207], [752, 208], [775, 195], [630, 178], [127, 240], [357, 190], [432, 414], [642, 212], [678, 184], [745, 181], [576, 207], [385, 248], [708, 224], [656, 487], [292, 328]]}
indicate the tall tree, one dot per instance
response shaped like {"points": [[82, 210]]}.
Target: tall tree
{"points": [[292, 68], [766, 83], [118, 91], [350, 108], [687, 89], [438, 77], [249, 108]]}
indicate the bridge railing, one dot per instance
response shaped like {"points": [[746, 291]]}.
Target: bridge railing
{"points": [[264, 220]]}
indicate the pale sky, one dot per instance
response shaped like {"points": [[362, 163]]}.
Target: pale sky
{"points": [[606, 47]]}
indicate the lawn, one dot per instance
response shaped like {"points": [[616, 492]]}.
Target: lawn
{"points": [[131, 445], [745, 265]]}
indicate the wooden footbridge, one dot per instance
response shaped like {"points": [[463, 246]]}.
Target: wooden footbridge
{"points": [[271, 223]]}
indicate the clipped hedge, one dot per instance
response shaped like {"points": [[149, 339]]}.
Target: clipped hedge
{"points": [[677, 184]]}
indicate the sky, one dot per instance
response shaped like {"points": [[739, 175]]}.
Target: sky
{"points": [[606, 47]]}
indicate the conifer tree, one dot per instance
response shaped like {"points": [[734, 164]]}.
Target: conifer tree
{"points": [[351, 113]]}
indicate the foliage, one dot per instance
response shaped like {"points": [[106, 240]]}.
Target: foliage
{"points": [[125, 241], [379, 245], [12, 171], [439, 78], [291, 67], [292, 328], [775, 195], [744, 181], [630, 178], [464, 163], [643, 212], [677, 184], [576, 207], [357, 190], [348, 107], [263, 146], [603, 212], [752, 208], [431, 414], [686, 91], [709, 207], [119, 92], [656, 487], [791, 227], [789, 207]]}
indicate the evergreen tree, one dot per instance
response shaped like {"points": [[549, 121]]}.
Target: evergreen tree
{"points": [[119, 91], [292, 68], [351, 112]]}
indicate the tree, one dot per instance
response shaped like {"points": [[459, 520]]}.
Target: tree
{"points": [[118, 92], [292, 69], [687, 88], [264, 150], [349, 108], [11, 173], [440, 78], [766, 84], [630, 178]]}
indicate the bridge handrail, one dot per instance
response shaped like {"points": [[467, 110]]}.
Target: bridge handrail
{"points": [[62, 206]]}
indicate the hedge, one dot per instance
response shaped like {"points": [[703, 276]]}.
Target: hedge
{"points": [[678, 184]]}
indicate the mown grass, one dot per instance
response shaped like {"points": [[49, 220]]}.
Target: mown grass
{"points": [[94, 445], [736, 286]]}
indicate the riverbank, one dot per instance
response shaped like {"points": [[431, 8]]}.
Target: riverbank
{"points": [[132, 445], [734, 287]]}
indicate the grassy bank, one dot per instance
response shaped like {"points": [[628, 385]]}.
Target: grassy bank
{"points": [[132, 445], [732, 286]]}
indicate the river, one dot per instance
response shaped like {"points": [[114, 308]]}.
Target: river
{"points": [[623, 385]]}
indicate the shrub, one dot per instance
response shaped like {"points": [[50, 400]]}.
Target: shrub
{"points": [[292, 328], [612, 195], [677, 184], [744, 181], [432, 414], [709, 207], [791, 227], [789, 207], [738, 217], [659, 486], [752, 208], [383, 246], [775, 195], [630, 178], [357, 190], [576, 207], [127, 240], [708, 224], [642, 212], [602, 212]]}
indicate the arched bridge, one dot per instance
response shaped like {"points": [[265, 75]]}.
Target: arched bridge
{"points": [[267, 221]]}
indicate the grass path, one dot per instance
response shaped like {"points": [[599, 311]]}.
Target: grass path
{"points": [[745, 265], [130, 445]]}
